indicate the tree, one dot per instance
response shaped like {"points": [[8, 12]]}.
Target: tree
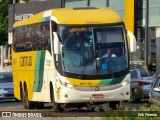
{"points": [[4, 20]]}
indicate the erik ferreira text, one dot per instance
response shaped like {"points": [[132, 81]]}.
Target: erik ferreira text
{"points": [[147, 114]]}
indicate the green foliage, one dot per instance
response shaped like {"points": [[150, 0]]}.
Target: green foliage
{"points": [[122, 114], [4, 20]]}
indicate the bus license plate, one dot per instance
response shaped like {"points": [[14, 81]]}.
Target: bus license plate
{"points": [[97, 96]]}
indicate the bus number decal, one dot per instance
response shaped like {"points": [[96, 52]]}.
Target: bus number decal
{"points": [[26, 61]]}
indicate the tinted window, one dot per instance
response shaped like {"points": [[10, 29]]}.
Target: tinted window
{"points": [[6, 78], [32, 37], [143, 73], [134, 74], [157, 83], [81, 45]]}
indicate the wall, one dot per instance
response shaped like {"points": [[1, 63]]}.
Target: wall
{"points": [[21, 11]]}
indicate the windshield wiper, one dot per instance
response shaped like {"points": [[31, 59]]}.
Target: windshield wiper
{"points": [[110, 73], [84, 68]]}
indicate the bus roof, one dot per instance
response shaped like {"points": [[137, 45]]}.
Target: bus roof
{"points": [[74, 16]]}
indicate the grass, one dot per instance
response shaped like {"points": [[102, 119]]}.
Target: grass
{"points": [[127, 112]]}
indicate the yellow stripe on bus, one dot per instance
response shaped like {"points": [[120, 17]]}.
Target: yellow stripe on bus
{"points": [[79, 82]]}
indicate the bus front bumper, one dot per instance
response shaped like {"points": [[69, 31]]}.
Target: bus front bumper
{"points": [[74, 96]]}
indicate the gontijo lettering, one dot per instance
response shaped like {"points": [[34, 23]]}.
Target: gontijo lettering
{"points": [[26, 61]]}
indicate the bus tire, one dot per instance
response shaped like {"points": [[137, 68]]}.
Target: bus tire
{"points": [[136, 100], [56, 106], [21, 93], [26, 103], [16, 100], [40, 105], [114, 105]]}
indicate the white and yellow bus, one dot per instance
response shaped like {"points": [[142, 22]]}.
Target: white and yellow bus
{"points": [[57, 57]]}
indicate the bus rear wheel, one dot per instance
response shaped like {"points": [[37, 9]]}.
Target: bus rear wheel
{"points": [[26, 103], [16, 100], [39, 105]]}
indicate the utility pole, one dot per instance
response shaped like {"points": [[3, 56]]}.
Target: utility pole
{"points": [[14, 2], [107, 4], [88, 3], [146, 32], [12, 19]]}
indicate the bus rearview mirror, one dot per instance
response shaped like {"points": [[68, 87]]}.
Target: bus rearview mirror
{"points": [[132, 41], [56, 44]]}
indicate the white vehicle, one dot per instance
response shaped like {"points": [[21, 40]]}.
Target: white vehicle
{"points": [[6, 85], [140, 84], [154, 95]]}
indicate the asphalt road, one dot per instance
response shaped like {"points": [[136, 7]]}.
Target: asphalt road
{"points": [[74, 113], [11, 105]]}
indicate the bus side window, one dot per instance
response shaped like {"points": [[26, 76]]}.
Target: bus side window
{"points": [[32, 37]]}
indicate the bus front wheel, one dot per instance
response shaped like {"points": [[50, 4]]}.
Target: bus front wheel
{"points": [[114, 105], [55, 105], [134, 98]]}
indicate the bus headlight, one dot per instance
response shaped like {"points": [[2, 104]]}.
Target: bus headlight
{"points": [[68, 85], [124, 82]]}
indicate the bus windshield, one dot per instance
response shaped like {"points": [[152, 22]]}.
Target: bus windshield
{"points": [[93, 50]]}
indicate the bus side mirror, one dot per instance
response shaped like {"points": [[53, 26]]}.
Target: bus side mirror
{"points": [[132, 41]]}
